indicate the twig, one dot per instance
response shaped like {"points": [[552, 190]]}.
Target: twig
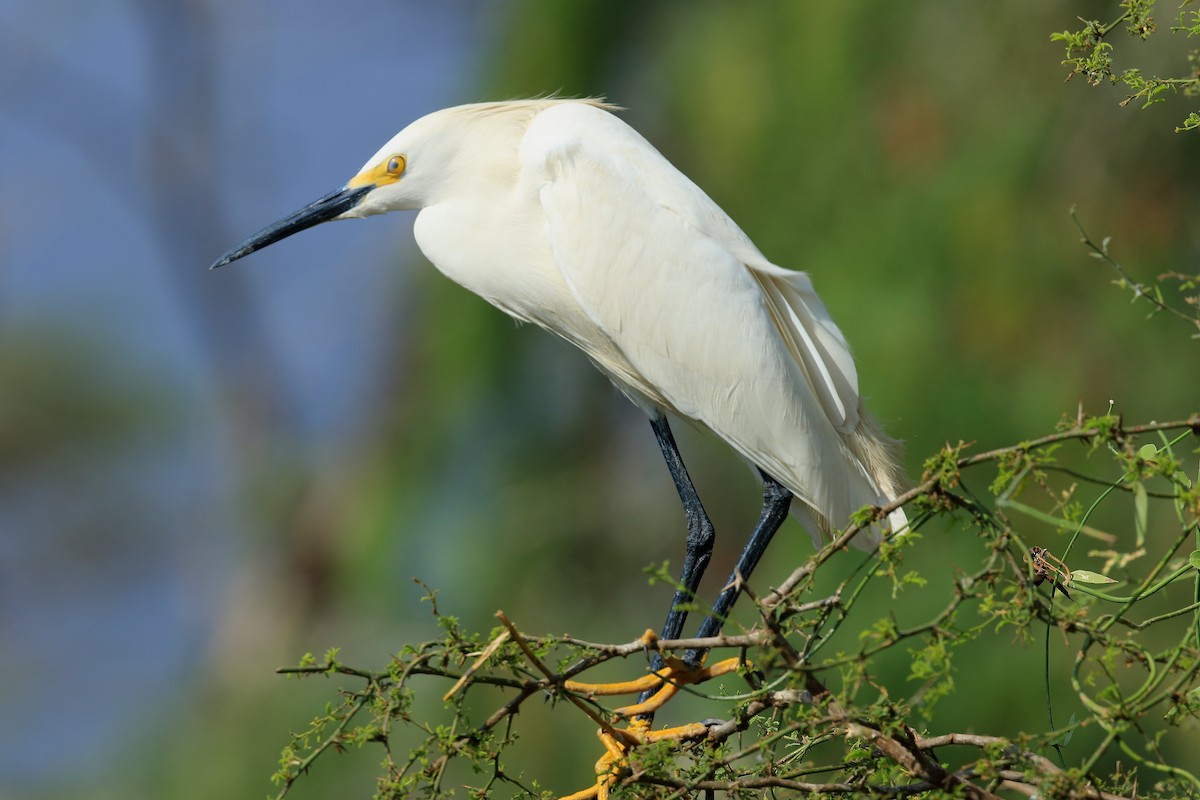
{"points": [[1140, 290], [554, 679]]}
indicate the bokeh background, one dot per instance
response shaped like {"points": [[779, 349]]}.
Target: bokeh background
{"points": [[205, 475]]}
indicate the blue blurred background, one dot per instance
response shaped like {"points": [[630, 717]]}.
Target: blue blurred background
{"points": [[204, 475]]}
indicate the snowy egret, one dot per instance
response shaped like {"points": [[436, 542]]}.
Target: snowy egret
{"points": [[560, 214]]}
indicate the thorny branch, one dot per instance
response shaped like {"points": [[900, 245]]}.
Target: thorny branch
{"points": [[816, 718], [1151, 294]]}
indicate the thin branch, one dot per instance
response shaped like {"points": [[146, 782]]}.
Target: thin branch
{"points": [[1140, 290]]}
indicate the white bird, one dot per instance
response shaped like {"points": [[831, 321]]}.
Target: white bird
{"points": [[560, 214]]}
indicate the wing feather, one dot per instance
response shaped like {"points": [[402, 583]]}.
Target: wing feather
{"points": [[716, 332]]}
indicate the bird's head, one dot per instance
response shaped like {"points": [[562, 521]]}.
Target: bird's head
{"points": [[404, 174], [468, 151]]}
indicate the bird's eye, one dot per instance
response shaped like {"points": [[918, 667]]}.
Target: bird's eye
{"points": [[395, 165]]}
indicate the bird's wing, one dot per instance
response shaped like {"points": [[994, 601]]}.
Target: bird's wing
{"points": [[573, 136], [813, 340], [747, 349]]}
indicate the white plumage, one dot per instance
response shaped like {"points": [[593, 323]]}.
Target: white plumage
{"points": [[560, 214]]}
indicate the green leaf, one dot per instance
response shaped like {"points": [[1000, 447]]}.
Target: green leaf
{"points": [[1084, 576], [1141, 507], [1070, 734], [1183, 478], [1194, 559]]}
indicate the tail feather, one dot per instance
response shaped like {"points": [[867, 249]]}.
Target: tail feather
{"points": [[880, 456]]}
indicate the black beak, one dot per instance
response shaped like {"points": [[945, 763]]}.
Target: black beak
{"points": [[331, 205]]}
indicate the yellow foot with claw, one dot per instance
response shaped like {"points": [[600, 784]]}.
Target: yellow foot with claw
{"points": [[664, 682], [618, 742]]}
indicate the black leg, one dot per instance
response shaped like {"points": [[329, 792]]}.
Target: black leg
{"points": [[700, 537], [777, 500], [700, 532]]}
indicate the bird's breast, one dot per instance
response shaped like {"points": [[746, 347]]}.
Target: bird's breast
{"points": [[500, 252], [495, 252]]}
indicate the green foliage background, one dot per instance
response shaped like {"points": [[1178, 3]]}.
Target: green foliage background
{"points": [[918, 159]]}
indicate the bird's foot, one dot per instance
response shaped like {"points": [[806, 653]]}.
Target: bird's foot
{"points": [[619, 742], [665, 683]]}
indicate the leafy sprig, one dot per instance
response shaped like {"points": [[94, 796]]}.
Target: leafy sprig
{"points": [[1090, 52]]}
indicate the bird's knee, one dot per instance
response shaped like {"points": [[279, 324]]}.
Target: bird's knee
{"points": [[701, 534], [774, 492]]}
